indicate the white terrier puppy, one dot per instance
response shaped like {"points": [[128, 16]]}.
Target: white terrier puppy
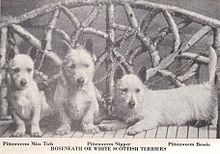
{"points": [[26, 102], [75, 95], [143, 109]]}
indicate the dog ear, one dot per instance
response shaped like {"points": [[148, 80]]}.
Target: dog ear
{"points": [[6, 66], [68, 45], [89, 47], [11, 54], [118, 73], [142, 73], [62, 78]]}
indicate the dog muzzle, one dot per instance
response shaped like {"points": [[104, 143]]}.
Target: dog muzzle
{"points": [[131, 104]]}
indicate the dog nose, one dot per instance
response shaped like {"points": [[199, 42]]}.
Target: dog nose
{"points": [[81, 80], [23, 82], [131, 104]]}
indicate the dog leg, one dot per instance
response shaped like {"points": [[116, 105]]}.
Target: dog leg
{"points": [[20, 131], [141, 126], [202, 123], [134, 119], [65, 127], [137, 128], [35, 129], [87, 121], [112, 125]]}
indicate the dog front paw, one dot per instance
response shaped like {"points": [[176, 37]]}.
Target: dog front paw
{"points": [[90, 129], [112, 125], [36, 132], [19, 132], [202, 123], [130, 121], [106, 127], [63, 129], [133, 131]]}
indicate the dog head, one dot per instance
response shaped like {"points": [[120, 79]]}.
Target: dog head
{"points": [[21, 69], [78, 67], [128, 93]]}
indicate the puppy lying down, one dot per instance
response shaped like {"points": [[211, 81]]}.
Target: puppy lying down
{"points": [[140, 108]]}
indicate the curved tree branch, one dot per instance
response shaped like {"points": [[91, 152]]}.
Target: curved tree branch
{"points": [[171, 77], [71, 16], [137, 4], [148, 19], [77, 33], [35, 42], [174, 30], [195, 38], [165, 31], [188, 74]]}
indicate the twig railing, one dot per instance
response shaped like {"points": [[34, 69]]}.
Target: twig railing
{"points": [[112, 56]]}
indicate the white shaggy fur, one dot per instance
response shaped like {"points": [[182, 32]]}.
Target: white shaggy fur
{"points": [[75, 95], [144, 109], [26, 102]]}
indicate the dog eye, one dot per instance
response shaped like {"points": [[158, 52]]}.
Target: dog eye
{"points": [[137, 90], [86, 65], [16, 70], [125, 90], [29, 70], [72, 66]]}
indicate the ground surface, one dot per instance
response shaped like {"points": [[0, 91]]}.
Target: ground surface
{"points": [[7, 128]]}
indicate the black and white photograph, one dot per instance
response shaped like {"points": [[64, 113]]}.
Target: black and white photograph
{"points": [[110, 69]]}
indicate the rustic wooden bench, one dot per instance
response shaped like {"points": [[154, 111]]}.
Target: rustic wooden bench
{"points": [[135, 36]]}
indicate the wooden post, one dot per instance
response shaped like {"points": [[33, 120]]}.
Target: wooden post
{"points": [[110, 18], [0, 11], [216, 45], [3, 75]]}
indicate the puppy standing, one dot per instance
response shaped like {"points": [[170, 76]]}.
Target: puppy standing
{"points": [[145, 109], [26, 102], [75, 95]]}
